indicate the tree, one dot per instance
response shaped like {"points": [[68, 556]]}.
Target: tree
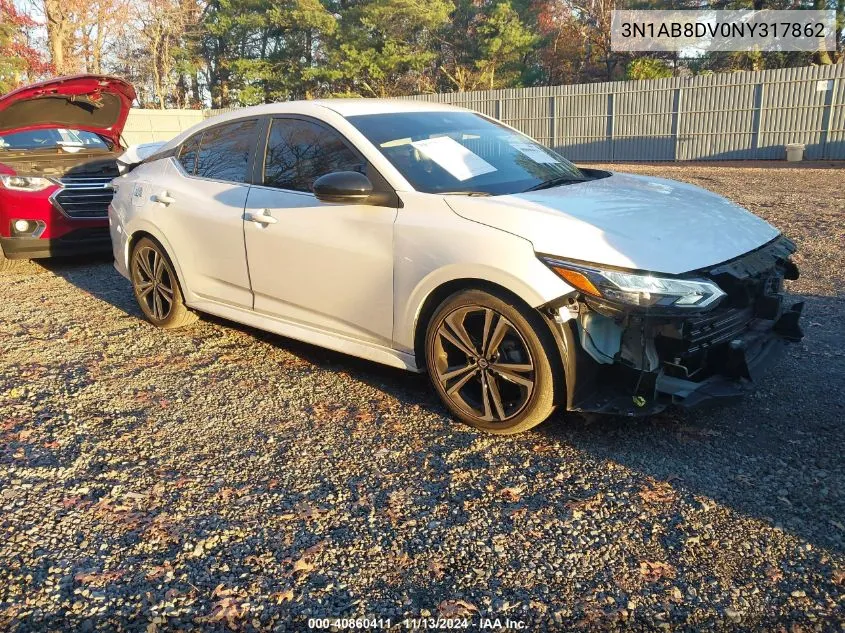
{"points": [[559, 55], [648, 68], [99, 23], [163, 27], [387, 47], [504, 40], [19, 61], [485, 46], [61, 20]]}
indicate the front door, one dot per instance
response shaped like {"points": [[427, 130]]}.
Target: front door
{"points": [[327, 266]]}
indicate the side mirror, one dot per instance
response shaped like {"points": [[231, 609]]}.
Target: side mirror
{"points": [[350, 187]]}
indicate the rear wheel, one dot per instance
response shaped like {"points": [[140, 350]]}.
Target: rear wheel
{"points": [[9, 264], [157, 288], [489, 361]]}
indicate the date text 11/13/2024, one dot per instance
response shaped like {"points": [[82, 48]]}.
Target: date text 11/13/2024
{"points": [[345, 624]]}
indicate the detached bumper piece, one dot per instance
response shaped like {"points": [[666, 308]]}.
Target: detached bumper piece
{"points": [[746, 359], [634, 363], [89, 241]]}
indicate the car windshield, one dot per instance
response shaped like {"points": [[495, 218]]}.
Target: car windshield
{"points": [[463, 152], [52, 138]]}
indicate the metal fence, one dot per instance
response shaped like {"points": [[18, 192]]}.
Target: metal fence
{"points": [[729, 116], [732, 116]]}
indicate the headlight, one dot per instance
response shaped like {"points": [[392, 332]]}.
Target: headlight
{"points": [[638, 289], [25, 183]]}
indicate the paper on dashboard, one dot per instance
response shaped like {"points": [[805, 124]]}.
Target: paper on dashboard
{"points": [[537, 154], [454, 157]]}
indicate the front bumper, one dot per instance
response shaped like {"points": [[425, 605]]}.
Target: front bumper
{"points": [[633, 362], [88, 241], [745, 360]]}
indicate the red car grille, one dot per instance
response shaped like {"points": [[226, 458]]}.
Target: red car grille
{"points": [[83, 197]]}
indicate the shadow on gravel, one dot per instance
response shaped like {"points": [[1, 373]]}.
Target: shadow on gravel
{"points": [[95, 274], [775, 457]]}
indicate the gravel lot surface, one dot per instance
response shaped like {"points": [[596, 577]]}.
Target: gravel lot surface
{"points": [[218, 476]]}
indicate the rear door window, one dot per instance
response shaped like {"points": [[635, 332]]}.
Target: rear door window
{"points": [[299, 152], [225, 150]]}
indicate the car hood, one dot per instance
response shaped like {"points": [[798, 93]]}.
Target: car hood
{"points": [[625, 220], [96, 103]]}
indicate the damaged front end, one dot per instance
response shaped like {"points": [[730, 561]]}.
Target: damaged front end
{"points": [[704, 336]]}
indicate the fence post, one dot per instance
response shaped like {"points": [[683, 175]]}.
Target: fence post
{"points": [[552, 123], [756, 118], [609, 129], [498, 109], [827, 118], [677, 103]]}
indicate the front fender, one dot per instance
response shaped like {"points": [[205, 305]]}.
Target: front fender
{"points": [[426, 261]]}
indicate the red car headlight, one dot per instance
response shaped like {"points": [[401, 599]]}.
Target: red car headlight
{"points": [[25, 183]]}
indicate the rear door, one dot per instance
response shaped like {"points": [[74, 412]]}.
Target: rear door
{"points": [[200, 204]]}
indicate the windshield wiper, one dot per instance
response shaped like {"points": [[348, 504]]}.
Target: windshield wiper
{"points": [[554, 182]]}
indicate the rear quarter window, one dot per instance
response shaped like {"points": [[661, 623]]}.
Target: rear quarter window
{"points": [[188, 154]]}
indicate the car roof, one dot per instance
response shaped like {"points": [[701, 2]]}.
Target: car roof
{"points": [[342, 107], [355, 107]]}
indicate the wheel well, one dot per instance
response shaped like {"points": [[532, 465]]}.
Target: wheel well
{"points": [[439, 294], [138, 235]]}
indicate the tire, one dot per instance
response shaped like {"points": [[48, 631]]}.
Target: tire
{"points": [[489, 361], [156, 286], [9, 264]]}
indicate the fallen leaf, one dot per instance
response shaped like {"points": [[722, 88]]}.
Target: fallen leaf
{"points": [[436, 568], [282, 596], [315, 549], [220, 591], [158, 571], [654, 571], [579, 506], [229, 610], [69, 502], [306, 511], [226, 493], [456, 609], [774, 574], [99, 579], [302, 565], [511, 494], [658, 492]]}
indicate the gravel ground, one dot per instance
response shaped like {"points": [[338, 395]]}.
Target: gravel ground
{"points": [[220, 477]]}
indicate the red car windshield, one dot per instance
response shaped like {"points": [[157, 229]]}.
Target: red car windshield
{"points": [[52, 138]]}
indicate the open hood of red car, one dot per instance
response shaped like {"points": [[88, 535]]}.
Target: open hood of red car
{"points": [[96, 103]]}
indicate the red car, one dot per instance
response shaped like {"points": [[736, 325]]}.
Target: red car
{"points": [[59, 141]]}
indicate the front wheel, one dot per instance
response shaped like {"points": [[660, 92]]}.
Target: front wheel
{"points": [[489, 361], [156, 286]]}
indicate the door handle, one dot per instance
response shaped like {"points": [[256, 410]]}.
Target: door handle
{"points": [[163, 198], [262, 217]]}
